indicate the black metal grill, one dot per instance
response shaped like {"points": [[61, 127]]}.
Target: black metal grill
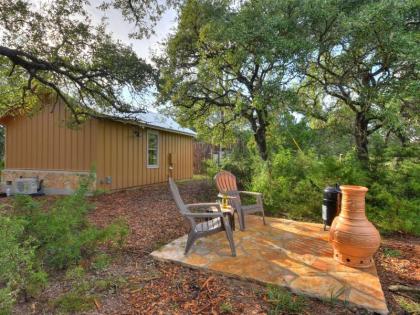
{"points": [[330, 205]]}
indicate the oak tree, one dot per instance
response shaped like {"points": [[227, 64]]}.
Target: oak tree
{"points": [[364, 59], [235, 63], [57, 48]]}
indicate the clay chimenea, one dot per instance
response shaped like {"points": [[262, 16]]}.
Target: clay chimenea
{"points": [[353, 237]]}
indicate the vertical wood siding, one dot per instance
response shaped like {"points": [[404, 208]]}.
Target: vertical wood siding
{"points": [[123, 156], [44, 142]]}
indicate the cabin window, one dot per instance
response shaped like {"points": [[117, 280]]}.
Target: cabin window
{"points": [[152, 149]]}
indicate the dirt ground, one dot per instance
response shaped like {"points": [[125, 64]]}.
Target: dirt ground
{"points": [[134, 283]]}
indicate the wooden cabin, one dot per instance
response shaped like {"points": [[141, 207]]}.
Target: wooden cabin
{"points": [[122, 152]]}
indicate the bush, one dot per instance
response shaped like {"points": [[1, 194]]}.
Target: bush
{"points": [[211, 168], [32, 236], [62, 234], [19, 271], [394, 198], [284, 302], [74, 302], [242, 169], [293, 186]]}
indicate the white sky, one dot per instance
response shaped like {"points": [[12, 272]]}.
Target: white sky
{"points": [[121, 29]]}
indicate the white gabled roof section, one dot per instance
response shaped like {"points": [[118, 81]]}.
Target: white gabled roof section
{"points": [[154, 120], [164, 122]]}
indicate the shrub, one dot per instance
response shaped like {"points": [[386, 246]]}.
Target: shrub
{"points": [[32, 236], [19, 271], [226, 308], [211, 168], [62, 234], [101, 262], [293, 186], [408, 305], [76, 273], [73, 302], [284, 302], [389, 252]]}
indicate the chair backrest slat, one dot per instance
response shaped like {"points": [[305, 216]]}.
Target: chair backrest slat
{"points": [[177, 197], [226, 182]]}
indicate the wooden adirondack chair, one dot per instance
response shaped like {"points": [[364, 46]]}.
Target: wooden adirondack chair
{"points": [[203, 223], [226, 184]]}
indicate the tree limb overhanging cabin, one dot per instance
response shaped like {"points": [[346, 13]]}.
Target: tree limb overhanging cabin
{"points": [[123, 152]]}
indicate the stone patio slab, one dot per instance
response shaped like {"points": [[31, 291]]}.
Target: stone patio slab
{"points": [[288, 253]]}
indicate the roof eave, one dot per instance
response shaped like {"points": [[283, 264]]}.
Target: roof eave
{"points": [[143, 124]]}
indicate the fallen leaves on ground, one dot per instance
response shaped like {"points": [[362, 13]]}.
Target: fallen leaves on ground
{"points": [[146, 286], [184, 291], [398, 263]]}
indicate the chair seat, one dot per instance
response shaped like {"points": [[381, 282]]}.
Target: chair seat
{"points": [[251, 208], [208, 225]]}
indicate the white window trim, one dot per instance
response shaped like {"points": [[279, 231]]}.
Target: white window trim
{"points": [[157, 150]]}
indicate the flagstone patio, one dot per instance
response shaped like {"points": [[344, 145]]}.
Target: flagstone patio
{"points": [[286, 253]]}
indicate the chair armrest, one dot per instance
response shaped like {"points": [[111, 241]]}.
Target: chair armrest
{"points": [[202, 205], [258, 196], [252, 193], [205, 215]]}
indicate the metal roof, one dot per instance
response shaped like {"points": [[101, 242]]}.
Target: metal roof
{"points": [[154, 120]]}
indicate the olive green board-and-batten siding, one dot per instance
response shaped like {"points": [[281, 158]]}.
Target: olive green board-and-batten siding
{"points": [[116, 150]]}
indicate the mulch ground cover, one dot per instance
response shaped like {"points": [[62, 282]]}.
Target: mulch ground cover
{"points": [[134, 283], [398, 265]]}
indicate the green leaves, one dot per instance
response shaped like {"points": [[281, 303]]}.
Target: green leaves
{"points": [[232, 64], [53, 47], [19, 269], [363, 59], [33, 238]]}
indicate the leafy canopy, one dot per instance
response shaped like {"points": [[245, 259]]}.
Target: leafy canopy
{"points": [[364, 62], [55, 47], [221, 67], [353, 64]]}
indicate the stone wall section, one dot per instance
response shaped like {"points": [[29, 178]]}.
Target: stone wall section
{"points": [[55, 182]]}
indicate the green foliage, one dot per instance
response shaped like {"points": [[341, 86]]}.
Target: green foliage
{"points": [[211, 168], [300, 167], [75, 273], [109, 284], [353, 75], [57, 237], [83, 289], [117, 232], [19, 270], [376, 36], [295, 183], [74, 302], [62, 234], [393, 199], [392, 252], [221, 68], [335, 294], [226, 308], [57, 48], [408, 305], [284, 302], [101, 261], [99, 192], [239, 161]]}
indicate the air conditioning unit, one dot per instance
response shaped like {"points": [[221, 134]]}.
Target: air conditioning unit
{"points": [[26, 186]]}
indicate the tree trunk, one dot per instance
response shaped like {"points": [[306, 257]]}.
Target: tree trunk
{"points": [[361, 138], [261, 140]]}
